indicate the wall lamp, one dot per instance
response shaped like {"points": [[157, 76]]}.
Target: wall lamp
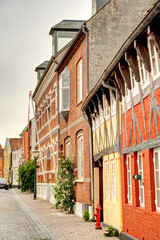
{"points": [[138, 177]]}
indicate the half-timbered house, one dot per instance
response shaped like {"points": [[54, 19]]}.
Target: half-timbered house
{"points": [[134, 73]]}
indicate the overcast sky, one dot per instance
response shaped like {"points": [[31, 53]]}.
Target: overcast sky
{"points": [[24, 44]]}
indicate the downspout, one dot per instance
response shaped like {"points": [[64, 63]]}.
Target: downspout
{"points": [[91, 166], [58, 121], [87, 72]]}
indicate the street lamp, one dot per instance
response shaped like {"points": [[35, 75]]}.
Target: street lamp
{"points": [[35, 153]]}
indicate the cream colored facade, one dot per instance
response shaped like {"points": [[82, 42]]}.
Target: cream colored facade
{"points": [[7, 160]]}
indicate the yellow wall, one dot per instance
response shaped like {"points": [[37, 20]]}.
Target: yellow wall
{"points": [[112, 209], [99, 142], [96, 187]]}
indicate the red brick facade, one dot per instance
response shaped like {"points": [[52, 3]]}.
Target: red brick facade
{"points": [[76, 121]]}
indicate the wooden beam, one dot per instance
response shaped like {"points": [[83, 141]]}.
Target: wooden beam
{"points": [[120, 82], [132, 61], [143, 53], [124, 70], [152, 143]]}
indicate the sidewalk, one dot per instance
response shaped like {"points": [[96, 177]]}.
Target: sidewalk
{"points": [[63, 226]]}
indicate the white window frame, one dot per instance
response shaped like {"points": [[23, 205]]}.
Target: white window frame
{"points": [[67, 147], [107, 180], [129, 186], [112, 104], [65, 73], [155, 76], [80, 157], [79, 81], [140, 172], [113, 178], [142, 70], [127, 92], [106, 108], [134, 88], [157, 170]]}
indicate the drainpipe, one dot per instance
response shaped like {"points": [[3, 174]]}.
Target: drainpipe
{"points": [[84, 30], [58, 121], [91, 167]]}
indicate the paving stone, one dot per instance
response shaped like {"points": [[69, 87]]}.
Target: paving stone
{"points": [[63, 226], [17, 221]]}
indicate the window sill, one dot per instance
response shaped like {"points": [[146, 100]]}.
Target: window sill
{"points": [[79, 180], [78, 103]]}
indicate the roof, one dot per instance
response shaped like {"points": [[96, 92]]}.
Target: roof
{"points": [[151, 14], [25, 129], [68, 25], [15, 143], [42, 66]]}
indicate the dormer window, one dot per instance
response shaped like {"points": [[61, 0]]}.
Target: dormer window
{"points": [[63, 38], [64, 83]]}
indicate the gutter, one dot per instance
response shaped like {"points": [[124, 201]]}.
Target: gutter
{"points": [[139, 29], [87, 58]]}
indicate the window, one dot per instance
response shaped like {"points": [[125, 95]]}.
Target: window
{"points": [[113, 104], [155, 61], [144, 75], [67, 147], [48, 159], [80, 154], [113, 178], [134, 84], [156, 160], [129, 196], [65, 90], [127, 93], [107, 180], [140, 172], [79, 81], [63, 38], [106, 107]]}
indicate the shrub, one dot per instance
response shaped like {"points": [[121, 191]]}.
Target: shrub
{"points": [[110, 232], [26, 176], [63, 191], [86, 216]]}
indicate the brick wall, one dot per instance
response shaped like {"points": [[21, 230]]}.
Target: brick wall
{"points": [[77, 123]]}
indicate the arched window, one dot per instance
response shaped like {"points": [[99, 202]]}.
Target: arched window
{"points": [[67, 147], [80, 154]]}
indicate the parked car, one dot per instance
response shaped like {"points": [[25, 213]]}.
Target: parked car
{"points": [[4, 183]]}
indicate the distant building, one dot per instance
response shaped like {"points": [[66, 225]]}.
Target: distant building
{"points": [[1, 161], [16, 157], [10, 145]]}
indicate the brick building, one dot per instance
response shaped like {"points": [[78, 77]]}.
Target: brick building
{"points": [[134, 74], [74, 130], [46, 108]]}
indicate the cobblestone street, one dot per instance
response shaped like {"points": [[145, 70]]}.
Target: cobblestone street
{"points": [[23, 218]]}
